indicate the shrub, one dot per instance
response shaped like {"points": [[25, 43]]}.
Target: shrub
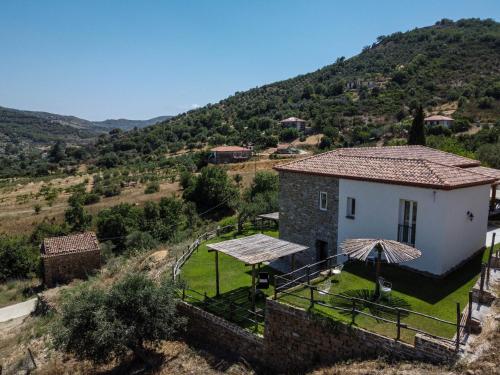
{"points": [[99, 325], [152, 187], [112, 190], [18, 257]]}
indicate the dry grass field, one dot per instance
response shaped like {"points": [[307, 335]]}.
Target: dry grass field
{"points": [[17, 200]]}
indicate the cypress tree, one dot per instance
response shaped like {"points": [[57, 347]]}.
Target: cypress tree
{"points": [[416, 136]]}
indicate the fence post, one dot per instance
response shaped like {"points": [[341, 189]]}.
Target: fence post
{"points": [[481, 282], [231, 310], [457, 344], [275, 287], [469, 313], [398, 324], [353, 310], [308, 275], [311, 292], [489, 258]]}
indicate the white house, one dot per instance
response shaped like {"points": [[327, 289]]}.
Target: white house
{"points": [[294, 122], [435, 201], [436, 120]]}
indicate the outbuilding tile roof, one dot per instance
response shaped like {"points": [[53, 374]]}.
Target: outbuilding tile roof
{"points": [[75, 243], [438, 118], [293, 119], [397, 169]]}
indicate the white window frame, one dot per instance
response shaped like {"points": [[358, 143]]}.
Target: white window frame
{"points": [[321, 195], [350, 212]]}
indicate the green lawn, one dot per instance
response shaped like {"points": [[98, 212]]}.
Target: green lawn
{"points": [[235, 278], [411, 291]]}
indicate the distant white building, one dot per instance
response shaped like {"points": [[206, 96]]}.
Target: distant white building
{"points": [[294, 122], [436, 120], [433, 200]]}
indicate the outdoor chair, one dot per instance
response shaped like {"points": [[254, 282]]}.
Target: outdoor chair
{"points": [[263, 282], [385, 287], [325, 288], [337, 271]]}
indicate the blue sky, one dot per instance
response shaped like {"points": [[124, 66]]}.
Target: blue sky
{"points": [[101, 59]]}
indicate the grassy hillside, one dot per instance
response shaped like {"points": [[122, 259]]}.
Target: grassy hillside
{"points": [[451, 67]]}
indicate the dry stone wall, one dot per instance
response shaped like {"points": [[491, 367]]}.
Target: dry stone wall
{"points": [[66, 267], [295, 340]]}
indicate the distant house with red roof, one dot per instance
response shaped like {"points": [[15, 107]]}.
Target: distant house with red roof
{"points": [[65, 258], [294, 122], [437, 120], [433, 200], [229, 154]]}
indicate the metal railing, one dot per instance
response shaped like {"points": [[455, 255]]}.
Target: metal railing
{"points": [[291, 285], [227, 309]]}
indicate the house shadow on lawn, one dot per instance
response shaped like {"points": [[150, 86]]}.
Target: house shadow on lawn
{"points": [[425, 288], [377, 308]]}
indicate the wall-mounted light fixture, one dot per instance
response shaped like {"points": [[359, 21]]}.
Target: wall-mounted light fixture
{"points": [[470, 215]]}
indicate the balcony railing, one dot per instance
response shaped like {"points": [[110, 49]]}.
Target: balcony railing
{"points": [[406, 234]]}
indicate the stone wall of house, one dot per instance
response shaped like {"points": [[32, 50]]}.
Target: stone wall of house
{"points": [[66, 267], [295, 340], [222, 334], [301, 220]]}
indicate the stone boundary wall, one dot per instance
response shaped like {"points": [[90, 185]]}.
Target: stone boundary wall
{"points": [[295, 340], [220, 333], [315, 340]]}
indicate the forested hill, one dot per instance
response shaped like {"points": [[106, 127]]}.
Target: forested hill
{"points": [[21, 129], [450, 67]]}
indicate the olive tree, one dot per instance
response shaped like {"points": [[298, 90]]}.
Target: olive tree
{"points": [[134, 314]]}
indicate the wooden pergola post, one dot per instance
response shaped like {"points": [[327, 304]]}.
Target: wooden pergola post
{"points": [[377, 270], [493, 197], [217, 279], [253, 287]]}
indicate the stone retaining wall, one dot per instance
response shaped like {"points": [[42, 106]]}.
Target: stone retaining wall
{"points": [[295, 340], [220, 333]]}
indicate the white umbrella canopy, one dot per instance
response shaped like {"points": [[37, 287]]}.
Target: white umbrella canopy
{"points": [[393, 251]]}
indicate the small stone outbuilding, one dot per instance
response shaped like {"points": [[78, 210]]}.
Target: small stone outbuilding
{"points": [[68, 257]]}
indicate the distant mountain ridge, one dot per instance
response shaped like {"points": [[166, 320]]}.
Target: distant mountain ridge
{"points": [[126, 124], [36, 128]]}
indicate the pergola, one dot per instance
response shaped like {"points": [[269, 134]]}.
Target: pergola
{"points": [[272, 216], [253, 250]]}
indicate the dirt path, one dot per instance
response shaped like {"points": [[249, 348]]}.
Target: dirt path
{"points": [[18, 310]]}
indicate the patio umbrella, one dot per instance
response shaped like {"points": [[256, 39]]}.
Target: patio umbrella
{"points": [[393, 251]]}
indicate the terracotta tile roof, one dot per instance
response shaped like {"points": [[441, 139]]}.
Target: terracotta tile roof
{"points": [[229, 149], [75, 243], [399, 171], [485, 171], [410, 152], [293, 119], [437, 118]]}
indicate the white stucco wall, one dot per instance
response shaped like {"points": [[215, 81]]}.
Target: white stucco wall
{"points": [[444, 234]]}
